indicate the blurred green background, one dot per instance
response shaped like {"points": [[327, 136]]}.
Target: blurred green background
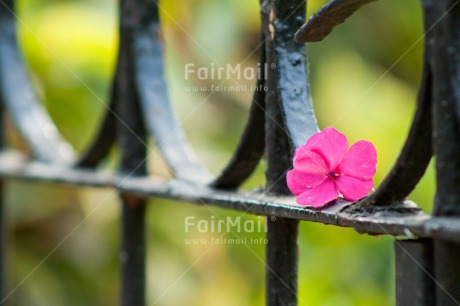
{"points": [[63, 241]]}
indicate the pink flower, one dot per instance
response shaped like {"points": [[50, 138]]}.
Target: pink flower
{"points": [[324, 169]]}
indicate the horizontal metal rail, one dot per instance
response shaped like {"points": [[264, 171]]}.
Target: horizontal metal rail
{"points": [[400, 219]]}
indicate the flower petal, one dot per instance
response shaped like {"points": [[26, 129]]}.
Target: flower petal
{"points": [[352, 188], [310, 162], [360, 161], [330, 144], [307, 160], [299, 181], [320, 195]]}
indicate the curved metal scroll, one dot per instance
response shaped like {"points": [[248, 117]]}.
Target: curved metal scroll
{"points": [[321, 24], [31, 119], [418, 148], [106, 136], [156, 107], [162, 125], [416, 153], [252, 142]]}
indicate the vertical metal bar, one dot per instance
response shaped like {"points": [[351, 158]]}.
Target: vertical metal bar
{"points": [[133, 252], [282, 234], [447, 275], [131, 140], [289, 122], [445, 47], [414, 272], [282, 262], [133, 244]]}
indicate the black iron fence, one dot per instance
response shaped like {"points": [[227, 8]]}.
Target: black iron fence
{"points": [[280, 119]]}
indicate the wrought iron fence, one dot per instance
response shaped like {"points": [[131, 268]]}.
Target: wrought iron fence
{"points": [[280, 119]]}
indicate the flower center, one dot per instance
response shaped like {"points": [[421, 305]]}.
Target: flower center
{"points": [[332, 174]]}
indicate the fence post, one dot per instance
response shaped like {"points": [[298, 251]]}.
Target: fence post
{"points": [[414, 272], [133, 252], [289, 121], [282, 234], [132, 142], [282, 261], [447, 273], [445, 60]]}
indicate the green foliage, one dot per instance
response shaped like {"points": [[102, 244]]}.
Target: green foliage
{"points": [[364, 81]]}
